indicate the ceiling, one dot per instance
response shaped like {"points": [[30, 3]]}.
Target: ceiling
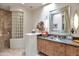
{"points": [[25, 5]]}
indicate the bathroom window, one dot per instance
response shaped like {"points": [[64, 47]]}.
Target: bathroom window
{"points": [[17, 24]]}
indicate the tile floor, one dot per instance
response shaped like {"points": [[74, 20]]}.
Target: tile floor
{"points": [[15, 52], [12, 52]]}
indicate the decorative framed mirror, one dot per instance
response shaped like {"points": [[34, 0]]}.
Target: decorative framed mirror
{"points": [[60, 20]]}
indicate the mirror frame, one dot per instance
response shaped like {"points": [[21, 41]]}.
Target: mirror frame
{"points": [[56, 11]]}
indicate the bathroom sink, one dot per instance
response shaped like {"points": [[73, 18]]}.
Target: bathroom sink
{"points": [[51, 37]]}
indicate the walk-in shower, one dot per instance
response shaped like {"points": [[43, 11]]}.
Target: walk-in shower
{"points": [[17, 29]]}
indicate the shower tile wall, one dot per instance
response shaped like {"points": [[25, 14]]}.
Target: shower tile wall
{"points": [[5, 28]]}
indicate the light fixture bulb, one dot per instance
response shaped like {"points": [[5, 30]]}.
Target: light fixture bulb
{"points": [[76, 21]]}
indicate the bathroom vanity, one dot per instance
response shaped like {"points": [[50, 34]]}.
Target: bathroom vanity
{"points": [[58, 46], [60, 41]]}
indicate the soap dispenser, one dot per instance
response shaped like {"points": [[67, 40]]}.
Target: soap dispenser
{"points": [[72, 30]]}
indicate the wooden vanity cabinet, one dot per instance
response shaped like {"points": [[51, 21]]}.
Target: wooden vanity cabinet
{"points": [[50, 48], [41, 45], [77, 51], [54, 48], [59, 49], [45, 47], [70, 50]]}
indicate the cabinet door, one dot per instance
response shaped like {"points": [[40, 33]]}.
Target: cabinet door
{"points": [[41, 45], [71, 50], [54, 49], [49, 48], [77, 51], [59, 49]]}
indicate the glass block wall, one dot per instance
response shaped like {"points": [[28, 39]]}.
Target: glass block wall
{"points": [[17, 24]]}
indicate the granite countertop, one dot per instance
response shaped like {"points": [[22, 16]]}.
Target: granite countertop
{"points": [[65, 34], [64, 41], [75, 35], [60, 33]]}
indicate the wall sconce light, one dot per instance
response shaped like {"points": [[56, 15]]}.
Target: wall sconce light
{"points": [[75, 21]]}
